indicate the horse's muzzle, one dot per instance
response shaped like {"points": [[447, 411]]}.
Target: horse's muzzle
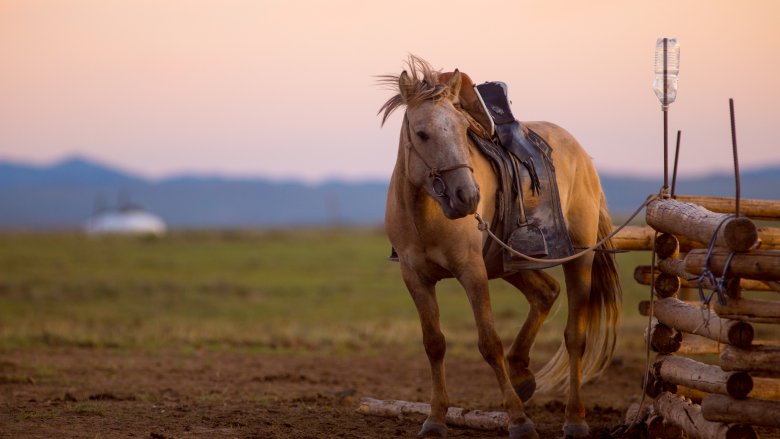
{"points": [[461, 201]]}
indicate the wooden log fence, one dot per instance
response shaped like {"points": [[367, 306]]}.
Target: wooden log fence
{"points": [[743, 389]]}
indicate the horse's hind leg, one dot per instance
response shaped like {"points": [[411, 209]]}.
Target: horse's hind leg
{"points": [[476, 284], [424, 295], [578, 284], [541, 290]]}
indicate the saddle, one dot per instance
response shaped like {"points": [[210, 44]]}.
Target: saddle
{"points": [[531, 223]]}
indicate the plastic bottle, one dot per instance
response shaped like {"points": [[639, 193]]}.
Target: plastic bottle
{"points": [[672, 69]]}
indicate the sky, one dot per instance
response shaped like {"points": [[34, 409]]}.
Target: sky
{"points": [[287, 89]]}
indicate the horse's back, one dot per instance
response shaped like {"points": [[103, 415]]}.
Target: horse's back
{"points": [[578, 183]]}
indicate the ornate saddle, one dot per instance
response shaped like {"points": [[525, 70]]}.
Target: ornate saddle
{"points": [[531, 223]]}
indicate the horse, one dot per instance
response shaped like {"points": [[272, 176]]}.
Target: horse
{"points": [[439, 182]]}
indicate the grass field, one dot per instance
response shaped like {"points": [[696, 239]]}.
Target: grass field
{"points": [[286, 290]]}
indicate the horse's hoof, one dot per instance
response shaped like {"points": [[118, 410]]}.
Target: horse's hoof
{"points": [[524, 431], [432, 429], [526, 389], [576, 431]]}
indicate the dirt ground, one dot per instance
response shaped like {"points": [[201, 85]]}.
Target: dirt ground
{"points": [[105, 393], [108, 393]]}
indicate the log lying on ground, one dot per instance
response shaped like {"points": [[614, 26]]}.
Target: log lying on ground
{"points": [[721, 408], [688, 417], [759, 358], [757, 264], [677, 314], [756, 209], [699, 224], [458, 417], [705, 377]]}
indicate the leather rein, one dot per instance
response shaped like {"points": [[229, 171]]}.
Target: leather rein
{"points": [[434, 173]]}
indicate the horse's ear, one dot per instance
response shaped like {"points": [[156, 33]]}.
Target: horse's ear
{"points": [[454, 85], [405, 85]]}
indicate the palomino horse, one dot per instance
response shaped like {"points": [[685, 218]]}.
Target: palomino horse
{"points": [[440, 180]]}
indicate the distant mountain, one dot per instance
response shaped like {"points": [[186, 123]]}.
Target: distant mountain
{"points": [[73, 171], [64, 195]]}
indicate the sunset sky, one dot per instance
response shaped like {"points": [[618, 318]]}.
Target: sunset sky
{"points": [[286, 89]]}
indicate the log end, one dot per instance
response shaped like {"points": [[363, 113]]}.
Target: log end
{"points": [[667, 285], [667, 246], [665, 340], [740, 234], [741, 334], [739, 385]]}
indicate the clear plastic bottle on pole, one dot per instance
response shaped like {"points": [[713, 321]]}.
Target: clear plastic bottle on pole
{"points": [[672, 70]]}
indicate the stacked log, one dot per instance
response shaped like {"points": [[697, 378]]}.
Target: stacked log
{"points": [[742, 390]]}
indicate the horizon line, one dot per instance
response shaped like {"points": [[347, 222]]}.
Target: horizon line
{"points": [[228, 176]]}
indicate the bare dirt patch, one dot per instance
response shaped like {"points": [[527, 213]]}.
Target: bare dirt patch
{"points": [[112, 393]]}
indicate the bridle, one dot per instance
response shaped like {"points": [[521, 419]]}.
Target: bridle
{"points": [[434, 173]]}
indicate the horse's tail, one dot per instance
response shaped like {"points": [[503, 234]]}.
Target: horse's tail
{"points": [[603, 317]]}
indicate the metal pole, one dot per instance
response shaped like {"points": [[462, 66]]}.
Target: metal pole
{"points": [[676, 158], [736, 160]]}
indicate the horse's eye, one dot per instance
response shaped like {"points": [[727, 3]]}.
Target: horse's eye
{"points": [[423, 135]]}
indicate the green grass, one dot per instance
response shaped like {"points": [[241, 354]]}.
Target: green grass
{"points": [[286, 291]]}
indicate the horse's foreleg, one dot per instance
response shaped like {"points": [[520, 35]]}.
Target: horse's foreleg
{"points": [[578, 283], [424, 295], [476, 285], [541, 290]]}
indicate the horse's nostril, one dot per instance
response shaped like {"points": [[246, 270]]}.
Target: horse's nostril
{"points": [[461, 195]]}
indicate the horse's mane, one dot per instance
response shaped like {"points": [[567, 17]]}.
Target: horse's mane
{"points": [[424, 86]]}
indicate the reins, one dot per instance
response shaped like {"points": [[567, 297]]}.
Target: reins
{"points": [[434, 173], [483, 226]]}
